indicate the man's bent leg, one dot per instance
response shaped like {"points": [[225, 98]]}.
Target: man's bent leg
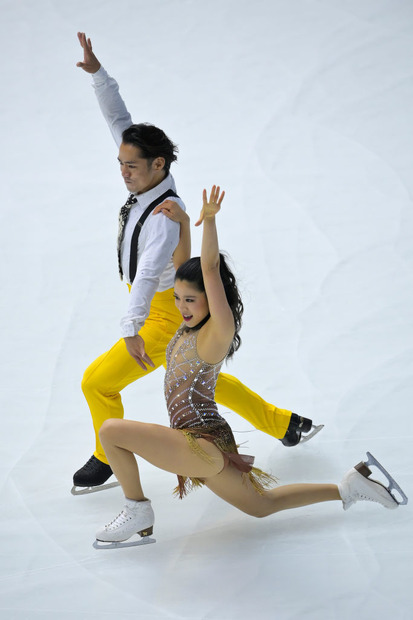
{"points": [[115, 369], [288, 427], [107, 376], [231, 393]]}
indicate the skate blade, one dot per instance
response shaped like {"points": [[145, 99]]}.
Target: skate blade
{"points": [[145, 540], [86, 490], [312, 433], [371, 460]]}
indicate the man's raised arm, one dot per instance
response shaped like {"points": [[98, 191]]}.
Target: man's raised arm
{"points": [[106, 89]]}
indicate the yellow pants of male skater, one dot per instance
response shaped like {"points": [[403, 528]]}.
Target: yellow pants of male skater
{"points": [[114, 370]]}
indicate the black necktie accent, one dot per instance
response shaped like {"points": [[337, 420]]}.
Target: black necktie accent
{"points": [[123, 218]]}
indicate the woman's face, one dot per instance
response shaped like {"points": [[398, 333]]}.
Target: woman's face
{"points": [[191, 303]]}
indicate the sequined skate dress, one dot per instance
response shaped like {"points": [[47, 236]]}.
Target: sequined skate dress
{"points": [[189, 393]]}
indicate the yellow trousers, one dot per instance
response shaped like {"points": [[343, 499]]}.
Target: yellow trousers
{"points": [[106, 377]]}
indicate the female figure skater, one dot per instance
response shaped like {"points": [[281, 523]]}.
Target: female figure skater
{"points": [[199, 445]]}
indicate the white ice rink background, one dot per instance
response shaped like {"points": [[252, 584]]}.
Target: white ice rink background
{"points": [[302, 111]]}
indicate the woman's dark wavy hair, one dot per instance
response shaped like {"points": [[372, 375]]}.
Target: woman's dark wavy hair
{"points": [[152, 141], [191, 272]]}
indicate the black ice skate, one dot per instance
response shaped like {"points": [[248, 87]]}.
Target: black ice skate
{"points": [[299, 425], [91, 477]]}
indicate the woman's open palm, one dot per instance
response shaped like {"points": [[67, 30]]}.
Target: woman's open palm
{"points": [[210, 207]]}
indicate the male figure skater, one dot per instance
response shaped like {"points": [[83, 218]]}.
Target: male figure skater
{"points": [[145, 253]]}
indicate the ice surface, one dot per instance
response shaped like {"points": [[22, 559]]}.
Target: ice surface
{"points": [[302, 111]]}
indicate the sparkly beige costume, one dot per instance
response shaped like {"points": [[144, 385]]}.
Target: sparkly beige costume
{"points": [[189, 392]]}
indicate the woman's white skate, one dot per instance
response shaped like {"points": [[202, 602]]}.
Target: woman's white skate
{"points": [[358, 486], [135, 518]]}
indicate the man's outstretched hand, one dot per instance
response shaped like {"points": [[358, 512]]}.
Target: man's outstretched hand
{"points": [[90, 63]]}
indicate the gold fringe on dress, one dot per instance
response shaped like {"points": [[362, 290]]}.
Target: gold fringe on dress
{"points": [[260, 480], [191, 438]]}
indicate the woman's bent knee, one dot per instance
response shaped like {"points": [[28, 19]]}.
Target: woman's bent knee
{"points": [[263, 510], [109, 428], [256, 512]]}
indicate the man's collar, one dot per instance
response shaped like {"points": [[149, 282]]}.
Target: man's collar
{"points": [[146, 198]]}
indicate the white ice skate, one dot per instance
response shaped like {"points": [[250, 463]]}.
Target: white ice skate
{"points": [[135, 518], [357, 486]]}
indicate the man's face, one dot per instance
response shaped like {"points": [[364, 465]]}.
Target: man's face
{"points": [[139, 175]]}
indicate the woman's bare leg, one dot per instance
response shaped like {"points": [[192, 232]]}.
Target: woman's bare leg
{"points": [[239, 491], [164, 447], [168, 449]]}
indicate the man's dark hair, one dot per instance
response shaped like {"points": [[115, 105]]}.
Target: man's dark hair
{"points": [[153, 143]]}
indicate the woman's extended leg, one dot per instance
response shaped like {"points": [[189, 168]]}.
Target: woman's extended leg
{"points": [[168, 449], [238, 490], [164, 447]]}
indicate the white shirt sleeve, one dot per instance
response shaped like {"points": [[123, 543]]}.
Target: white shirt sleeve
{"points": [[158, 245], [111, 103], [160, 235]]}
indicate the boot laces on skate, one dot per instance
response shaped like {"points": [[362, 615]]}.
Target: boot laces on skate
{"points": [[93, 471], [123, 517], [135, 518], [373, 491]]}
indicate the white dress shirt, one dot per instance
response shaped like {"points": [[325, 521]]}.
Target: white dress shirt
{"points": [[159, 235]]}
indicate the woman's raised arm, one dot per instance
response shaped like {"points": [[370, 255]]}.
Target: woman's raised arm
{"points": [[221, 325]]}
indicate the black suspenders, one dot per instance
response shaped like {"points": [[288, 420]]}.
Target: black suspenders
{"points": [[133, 258]]}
